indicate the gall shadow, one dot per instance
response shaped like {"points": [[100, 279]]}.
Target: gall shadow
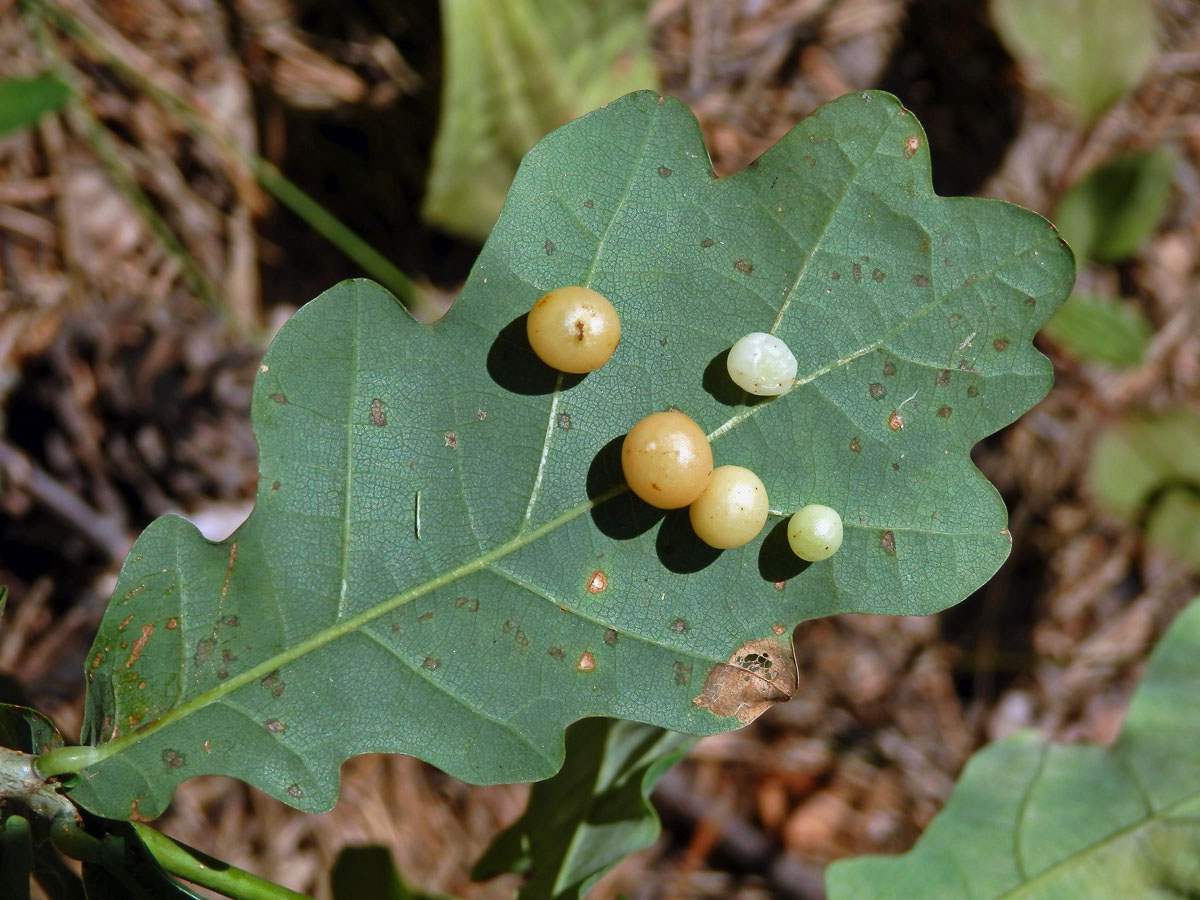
{"points": [[624, 516], [678, 547], [514, 366], [720, 386], [776, 561]]}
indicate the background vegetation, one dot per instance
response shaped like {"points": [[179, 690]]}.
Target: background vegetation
{"points": [[149, 246]]}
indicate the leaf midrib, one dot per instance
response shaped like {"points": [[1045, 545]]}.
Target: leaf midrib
{"points": [[338, 630]]}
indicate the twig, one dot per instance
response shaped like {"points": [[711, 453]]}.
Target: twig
{"points": [[107, 533], [200, 868]]}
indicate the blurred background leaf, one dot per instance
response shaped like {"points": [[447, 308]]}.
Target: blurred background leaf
{"points": [[1046, 821], [1090, 53], [1109, 214], [516, 70], [23, 101], [1146, 468], [1098, 329], [592, 814], [368, 873]]}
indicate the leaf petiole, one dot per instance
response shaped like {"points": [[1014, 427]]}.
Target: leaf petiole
{"points": [[67, 760]]}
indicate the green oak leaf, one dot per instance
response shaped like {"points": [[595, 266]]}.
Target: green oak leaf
{"points": [[27, 730], [516, 69], [1144, 468], [1096, 328], [1038, 820], [1115, 208], [1091, 53], [443, 560], [23, 101], [591, 815], [370, 873]]}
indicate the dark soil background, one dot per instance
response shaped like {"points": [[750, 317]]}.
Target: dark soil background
{"points": [[124, 396]]}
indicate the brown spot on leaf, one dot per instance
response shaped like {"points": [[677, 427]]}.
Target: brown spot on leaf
{"points": [[294, 791], [895, 421], [878, 391], [943, 378], [857, 272], [887, 541], [679, 626], [564, 421], [470, 604], [889, 368], [521, 639], [1001, 344], [707, 242], [549, 247], [878, 275], [911, 145], [425, 618], [836, 276], [480, 415], [431, 663], [556, 652], [972, 391], [780, 585], [208, 746], [174, 759], [451, 438], [744, 267], [920, 281], [597, 582], [610, 636], [275, 726], [172, 623], [139, 645], [274, 684], [944, 412], [126, 621], [586, 663], [759, 674], [588, 203], [664, 171], [279, 398], [855, 445], [778, 629], [204, 651], [377, 415], [275, 487]]}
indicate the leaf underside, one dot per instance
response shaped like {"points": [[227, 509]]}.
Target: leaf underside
{"points": [[1036, 820], [442, 561]]}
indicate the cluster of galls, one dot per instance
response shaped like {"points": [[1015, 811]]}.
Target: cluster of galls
{"points": [[666, 457]]}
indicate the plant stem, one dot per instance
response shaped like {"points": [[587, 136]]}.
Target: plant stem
{"points": [[199, 868], [414, 298]]}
